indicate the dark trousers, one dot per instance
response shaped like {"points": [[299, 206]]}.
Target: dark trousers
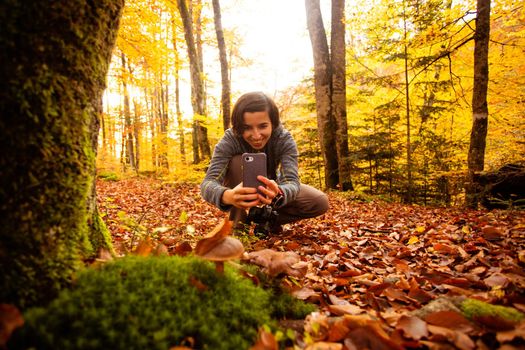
{"points": [[309, 202]]}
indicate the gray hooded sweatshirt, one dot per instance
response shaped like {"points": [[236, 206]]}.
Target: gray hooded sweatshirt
{"points": [[281, 152]]}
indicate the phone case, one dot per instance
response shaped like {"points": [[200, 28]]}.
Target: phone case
{"points": [[253, 164]]}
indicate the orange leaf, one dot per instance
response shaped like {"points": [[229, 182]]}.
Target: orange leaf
{"points": [[412, 327], [144, 247], [10, 319], [449, 319], [216, 235], [266, 341]]}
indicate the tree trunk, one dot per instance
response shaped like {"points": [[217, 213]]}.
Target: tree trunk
{"points": [[164, 125], [197, 87], [338, 61], [323, 91], [178, 112], [225, 96], [136, 131], [128, 128], [480, 113], [55, 57], [409, 189]]}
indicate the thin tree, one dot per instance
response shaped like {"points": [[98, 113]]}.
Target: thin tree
{"points": [[338, 62], [199, 132], [54, 67], [178, 112], [480, 113], [225, 95], [129, 151], [331, 112]]}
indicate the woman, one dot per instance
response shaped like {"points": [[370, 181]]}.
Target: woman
{"points": [[257, 128]]}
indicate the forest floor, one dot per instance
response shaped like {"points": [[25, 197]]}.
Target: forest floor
{"points": [[384, 275]]}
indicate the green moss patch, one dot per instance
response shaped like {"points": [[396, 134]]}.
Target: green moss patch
{"points": [[474, 309], [150, 303]]}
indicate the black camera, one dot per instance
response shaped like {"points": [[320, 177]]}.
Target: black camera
{"points": [[264, 217]]}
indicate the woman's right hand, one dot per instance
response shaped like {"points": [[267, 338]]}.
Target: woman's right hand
{"points": [[241, 197]]}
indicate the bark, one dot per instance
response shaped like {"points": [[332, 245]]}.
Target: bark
{"points": [[164, 125], [200, 136], [408, 194], [323, 91], [55, 57], [225, 95], [128, 127], [480, 113], [178, 112], [338, 61]]}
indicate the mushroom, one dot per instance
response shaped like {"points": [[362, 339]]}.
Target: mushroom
{"points": [[227, 248], [218, 247]]}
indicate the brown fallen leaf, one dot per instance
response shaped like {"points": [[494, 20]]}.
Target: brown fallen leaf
{"points": [[513, 334], [324, 346], [222, 230], [266, 341], [275, 263], [450, 319], [305, 293], [460, 340], [367, 337], [412, 327], [183, 248], [497, 280], [10, 319], [491, 233], [349, 309], [144, 248]]}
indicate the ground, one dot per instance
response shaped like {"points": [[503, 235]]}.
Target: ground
{"points": [[375, 259]]}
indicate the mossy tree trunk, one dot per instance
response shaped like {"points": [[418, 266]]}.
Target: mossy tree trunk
{"points": [[55, 57]]}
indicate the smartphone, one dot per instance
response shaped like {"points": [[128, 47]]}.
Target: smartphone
{"points": [[253, 164]]}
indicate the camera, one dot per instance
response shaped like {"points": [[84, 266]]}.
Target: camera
{"points": [[264, 217]]}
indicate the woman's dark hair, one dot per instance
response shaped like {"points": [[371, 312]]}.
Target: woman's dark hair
{"points": [[253, 102]]}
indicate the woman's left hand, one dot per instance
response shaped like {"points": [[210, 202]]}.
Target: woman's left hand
{"points": [[270, 190]]}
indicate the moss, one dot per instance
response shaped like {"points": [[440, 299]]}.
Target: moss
{"points": [[54, 61], [473, 308], [150, 303], [108, 176], [100, 237], [284, 306]]}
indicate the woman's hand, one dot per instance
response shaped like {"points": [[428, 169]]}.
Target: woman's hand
{"points": [[270, 190], [241, 197]]}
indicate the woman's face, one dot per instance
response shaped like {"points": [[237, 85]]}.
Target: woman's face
{"points": [[257, 129]]}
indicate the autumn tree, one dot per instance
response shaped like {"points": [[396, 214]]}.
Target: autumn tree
{"points": [[55, 58], [330, 92], [202, 146], [225, 79], [478, 134]]}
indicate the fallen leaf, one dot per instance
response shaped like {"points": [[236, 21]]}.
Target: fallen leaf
{"points": [[183, 248], [496, 280], [460, 340], [10, 319], [324, 346], [491, 233], [412, 327], [450, 319], [349, 309], [220, 231], [276, 263], [265, 341], [413, 240], [144, 248]]}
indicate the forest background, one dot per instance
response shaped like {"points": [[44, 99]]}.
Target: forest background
{"points": [[409, 83]]}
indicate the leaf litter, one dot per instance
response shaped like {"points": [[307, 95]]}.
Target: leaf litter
{"points": [[384, 275]]}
